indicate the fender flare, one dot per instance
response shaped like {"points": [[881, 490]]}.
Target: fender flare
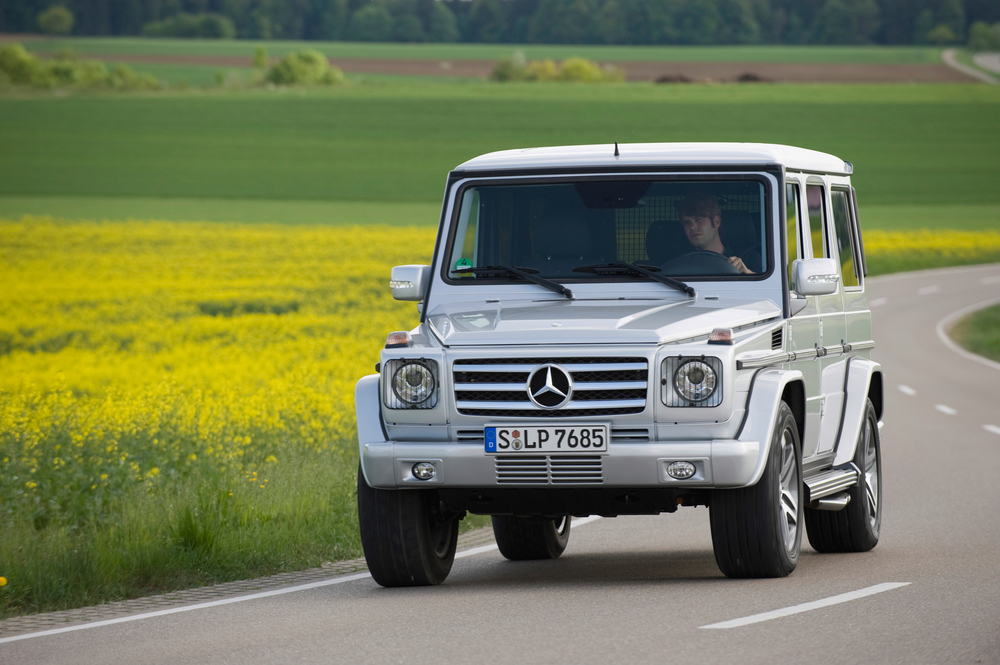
{"points": [[766, 390], [859, 379], [368, 410]]}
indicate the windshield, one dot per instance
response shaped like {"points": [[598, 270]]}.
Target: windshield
{"points": [[567, 231]]}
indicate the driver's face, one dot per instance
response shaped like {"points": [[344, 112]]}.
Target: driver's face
{"points": [[701, 232]]}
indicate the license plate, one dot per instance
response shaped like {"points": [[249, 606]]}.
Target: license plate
{"points": [[549, 440]]}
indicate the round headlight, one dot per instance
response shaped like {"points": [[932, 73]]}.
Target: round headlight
{"points": [[413, 383], [695, 381]]}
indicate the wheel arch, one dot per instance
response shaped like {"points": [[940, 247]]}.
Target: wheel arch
{"points": [[794, 395], [765, 398], [864, 380]]}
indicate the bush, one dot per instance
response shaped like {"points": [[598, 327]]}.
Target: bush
{"points": [[941, 35], [56, 20], [22, 68], [198, 26], [982, 37], [575, 70], [305, 67]]}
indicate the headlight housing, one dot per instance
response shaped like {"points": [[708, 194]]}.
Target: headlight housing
{"points": [[410, 383], [688, 381]]}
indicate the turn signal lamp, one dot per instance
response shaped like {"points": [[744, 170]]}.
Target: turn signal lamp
{"points": [[721, 336], [398, 340]]}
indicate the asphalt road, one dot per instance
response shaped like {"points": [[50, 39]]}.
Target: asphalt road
{"points": [[646, 589]]}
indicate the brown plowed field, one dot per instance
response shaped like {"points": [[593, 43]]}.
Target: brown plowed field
{"points": [[634, 71]]}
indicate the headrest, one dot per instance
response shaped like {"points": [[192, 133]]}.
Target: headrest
{"points": [[740, 230], [562, 236]]}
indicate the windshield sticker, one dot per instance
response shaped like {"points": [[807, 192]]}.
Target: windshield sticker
{"points": [[462, 264]]}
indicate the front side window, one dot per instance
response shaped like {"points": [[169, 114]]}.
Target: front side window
{"points": [[586, 230], [817, 221], [792, 228]]}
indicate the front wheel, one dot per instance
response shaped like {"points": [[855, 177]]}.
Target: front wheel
{"points": [[527, 538], [756, 530], [408, 539]]}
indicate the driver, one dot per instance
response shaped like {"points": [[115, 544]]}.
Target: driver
{"points": [[701, 217]]}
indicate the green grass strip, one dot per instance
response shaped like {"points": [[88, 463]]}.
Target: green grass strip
{"points": [[980, 332]]}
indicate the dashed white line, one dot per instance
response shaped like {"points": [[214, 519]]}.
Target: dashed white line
{"points": [[992, 428], [945, 409], [806, 607], [906, 390], [878, 302], [927, 290]]}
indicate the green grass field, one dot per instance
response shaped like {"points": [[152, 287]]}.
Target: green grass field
{"points": [[790, 54], [980, 332], [911, 145]]}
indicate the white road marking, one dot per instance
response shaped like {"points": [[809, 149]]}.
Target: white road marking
{"points": [[806, 607], [906, 390], [253, 596], [946, 323], [927, 290], [992, 428], [945, 409], [990, 280], [878, 302]]}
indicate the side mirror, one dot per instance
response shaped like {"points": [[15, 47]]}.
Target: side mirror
{"points": [[410, 282], [816, 277]]}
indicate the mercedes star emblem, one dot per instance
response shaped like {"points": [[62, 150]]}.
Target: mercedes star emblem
{"points": [[550, 386]]}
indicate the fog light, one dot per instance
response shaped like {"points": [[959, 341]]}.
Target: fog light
{"points": [[681, 470], [424, 470]]}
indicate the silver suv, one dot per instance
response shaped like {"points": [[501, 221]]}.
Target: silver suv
{"points": [[626, 330]]}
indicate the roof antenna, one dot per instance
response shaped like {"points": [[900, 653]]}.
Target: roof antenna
{"points": [[616, 149]]}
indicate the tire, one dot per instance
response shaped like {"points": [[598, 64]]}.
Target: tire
{"points": [[408, 540], [856, 527], [757, 531], [527, 538]]}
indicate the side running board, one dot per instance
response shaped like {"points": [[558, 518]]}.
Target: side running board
{"points": [[826, 489]]}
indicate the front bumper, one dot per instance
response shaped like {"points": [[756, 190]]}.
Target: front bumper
{"points": [[719, 463]]}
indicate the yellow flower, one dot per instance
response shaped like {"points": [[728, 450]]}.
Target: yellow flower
{"points": [[3, 581], [271, 459], [30, 485]]}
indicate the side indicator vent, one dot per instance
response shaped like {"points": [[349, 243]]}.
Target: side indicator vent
{"points": [[777, 338]]}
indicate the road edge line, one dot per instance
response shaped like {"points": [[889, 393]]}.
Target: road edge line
{"points": [[947, 321]]}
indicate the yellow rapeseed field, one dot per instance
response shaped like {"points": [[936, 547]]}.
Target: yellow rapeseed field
{"points": [[135, 352], [176, 398]]}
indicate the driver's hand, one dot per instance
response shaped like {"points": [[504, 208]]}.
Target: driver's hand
{"points": [[737, 263]]}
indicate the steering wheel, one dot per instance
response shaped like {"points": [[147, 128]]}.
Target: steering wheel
{"points": [[700, 262]]}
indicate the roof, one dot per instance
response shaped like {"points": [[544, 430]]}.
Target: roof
{"points": [[658, 154]]}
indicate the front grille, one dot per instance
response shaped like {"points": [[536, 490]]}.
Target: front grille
{"points": [[602, 386], [549, 470]]}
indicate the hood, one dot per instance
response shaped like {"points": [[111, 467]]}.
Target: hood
{"points": [[592, 321]]}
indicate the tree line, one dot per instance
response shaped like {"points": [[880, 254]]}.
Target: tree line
{"points": [[520, 21]]}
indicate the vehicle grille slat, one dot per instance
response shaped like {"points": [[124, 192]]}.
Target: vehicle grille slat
{"points": [[550, 470], [601, 386]]}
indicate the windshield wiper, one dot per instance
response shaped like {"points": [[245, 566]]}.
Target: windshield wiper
{"points": [[523, 273], [637, 269]]}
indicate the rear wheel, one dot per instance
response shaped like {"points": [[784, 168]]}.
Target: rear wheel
{"points": [[408, 539], [854, 528], [756, 530], [528, 538]]}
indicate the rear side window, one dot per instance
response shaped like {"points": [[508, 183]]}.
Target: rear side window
{"points": [[817, 217], [845, 239], [791, 228]]}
